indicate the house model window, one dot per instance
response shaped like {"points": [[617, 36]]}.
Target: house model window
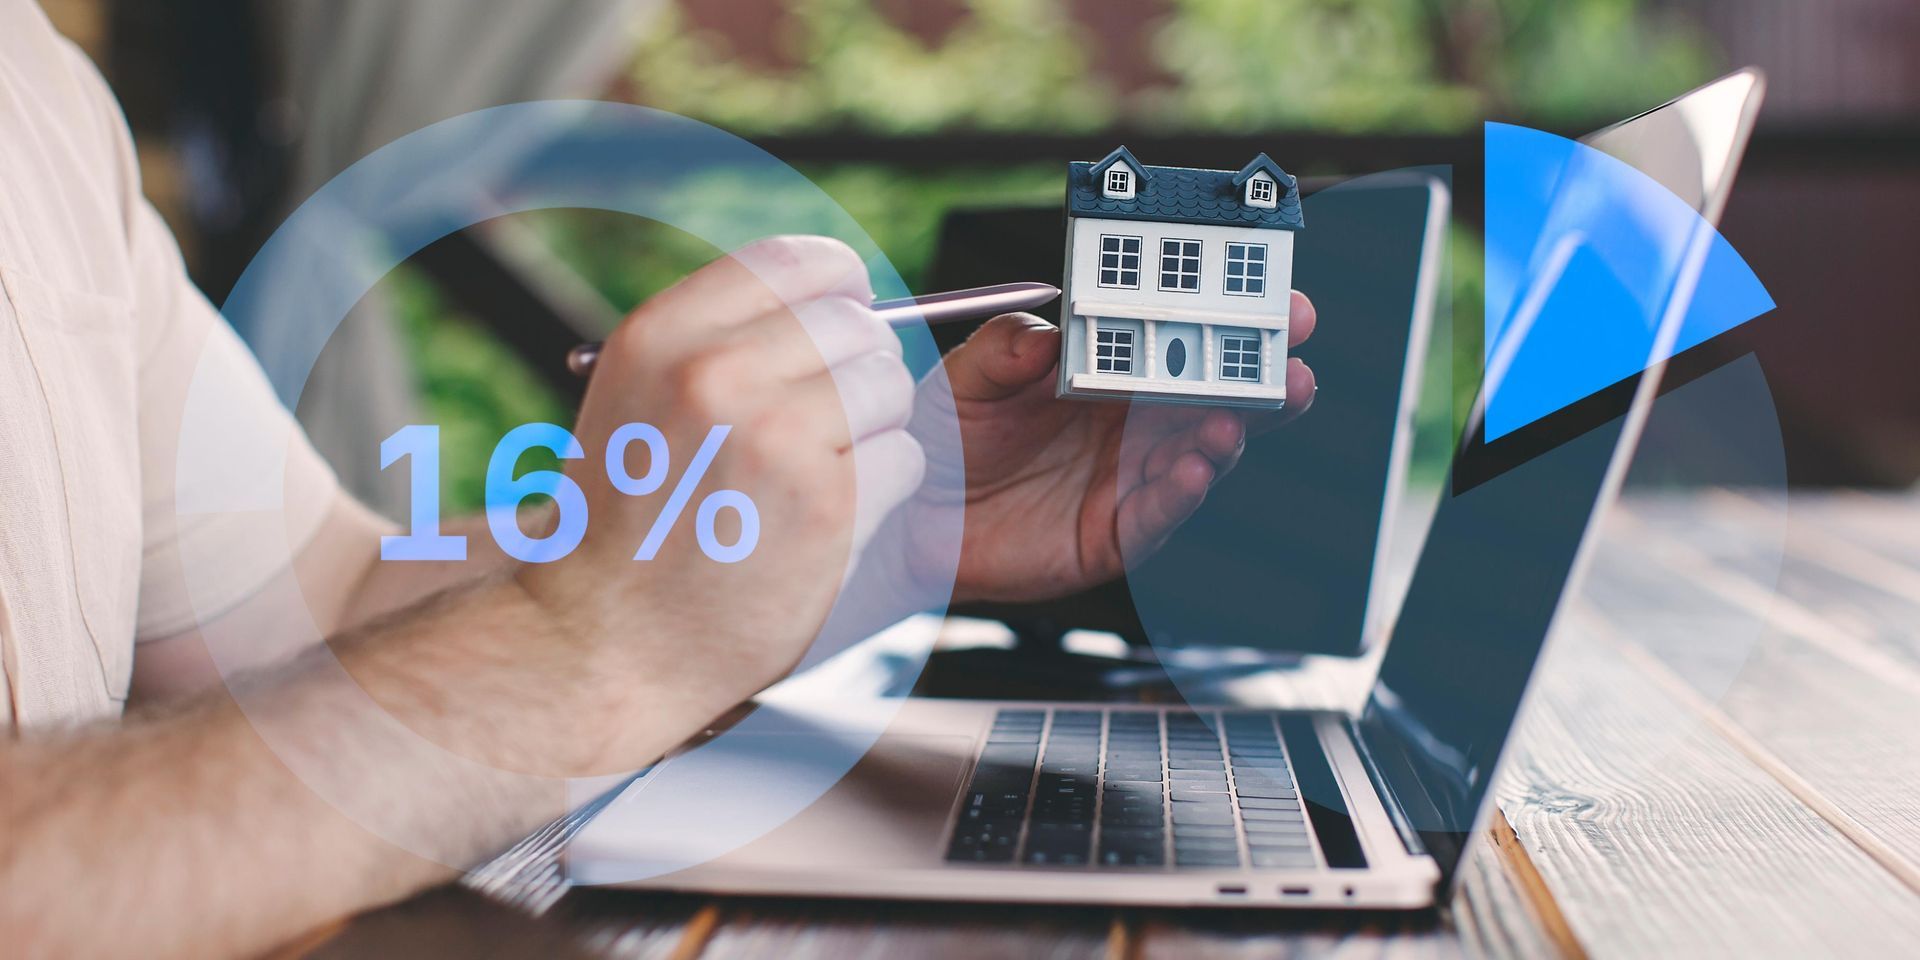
{"points": [[1113, 350], [1180, 265], [1261, 192], [1247, 269], [1240, 358], [1119, 183], [1120, 262]]}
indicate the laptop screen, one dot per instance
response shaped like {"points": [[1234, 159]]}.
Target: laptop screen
{"points": [[1502, 547]]}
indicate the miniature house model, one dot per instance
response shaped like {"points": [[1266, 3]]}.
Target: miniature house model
{"points": [[1178, 281]]}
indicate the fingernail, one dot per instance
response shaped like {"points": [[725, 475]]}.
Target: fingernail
{"points": [[1026, 340]]}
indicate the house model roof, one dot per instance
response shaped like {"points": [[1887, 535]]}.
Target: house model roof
{"points": [[1184, 194]]}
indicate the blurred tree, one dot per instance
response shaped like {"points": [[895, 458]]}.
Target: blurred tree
{"points": [[1007, 64], [762, 66], [1344, 65]]}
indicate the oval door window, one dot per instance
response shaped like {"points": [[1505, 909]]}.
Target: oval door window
{"points": [[1176, 357]]}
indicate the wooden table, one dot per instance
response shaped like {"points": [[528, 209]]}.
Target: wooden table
{"points": [[1721, 757]]}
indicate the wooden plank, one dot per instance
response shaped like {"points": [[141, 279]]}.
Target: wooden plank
{"points": [[1845, 737], [1659, 838], [848, 930], [1885, 523], [1882, 793], [1829, 573], [454, 921], [1229, 935], [627, 925], [1744, 568], [1853, 736], [1516, 900]]}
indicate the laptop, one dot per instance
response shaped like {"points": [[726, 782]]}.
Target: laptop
{"points": [[1234, 805]]}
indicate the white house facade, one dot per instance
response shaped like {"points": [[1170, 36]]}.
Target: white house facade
{"points": [[1178, 282]]}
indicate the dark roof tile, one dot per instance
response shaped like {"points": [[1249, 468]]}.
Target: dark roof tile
{"points": [[1185, 195]]}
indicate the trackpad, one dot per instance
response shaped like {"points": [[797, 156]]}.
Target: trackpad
{"points": [[889, 810], [776, 802]]}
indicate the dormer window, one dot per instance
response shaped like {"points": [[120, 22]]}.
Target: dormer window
{"points": [[1119, 185], [1262, 192]]}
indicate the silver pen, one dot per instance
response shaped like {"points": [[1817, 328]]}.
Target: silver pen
{"points": [[934, 309]]}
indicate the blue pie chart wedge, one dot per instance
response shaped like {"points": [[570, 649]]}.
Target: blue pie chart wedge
{"points": [[1583, 254]]}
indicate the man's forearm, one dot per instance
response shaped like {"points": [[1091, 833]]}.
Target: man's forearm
{"points": [[382, 587], [213, 830]]}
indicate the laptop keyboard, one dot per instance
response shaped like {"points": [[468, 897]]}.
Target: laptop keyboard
{"points": [[1172, 789]]}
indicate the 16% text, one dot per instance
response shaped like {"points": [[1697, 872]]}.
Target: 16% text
{"points": [[506, 491]]}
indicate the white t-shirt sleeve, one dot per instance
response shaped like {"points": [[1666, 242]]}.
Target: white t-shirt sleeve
{"points": [[228, 557], [181, 335]]}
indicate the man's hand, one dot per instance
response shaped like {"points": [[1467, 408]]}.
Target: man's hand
{"points": [[767, 341], [1054, 500]]}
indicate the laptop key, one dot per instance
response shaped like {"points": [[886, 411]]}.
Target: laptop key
{"points": [[1197, 763], [1182, 814], [1279, 841], [1283, 859], [1059, 849], [1275, 826], [1086, 768], [1199, 776], [1183, 789], [982, 854], [1263, 792], [1189, 843], [1256, 815], [1185, 798], [1206, 858], [1268, 803], [993, 810], [1202, 830], [1256, 772], [1270, 813]]}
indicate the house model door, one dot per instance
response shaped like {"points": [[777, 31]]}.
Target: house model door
{"points": [[1181, 355]]}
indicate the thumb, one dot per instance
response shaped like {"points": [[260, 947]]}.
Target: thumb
{"points": [[1007, 354]]}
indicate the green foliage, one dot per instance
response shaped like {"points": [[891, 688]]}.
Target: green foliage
{"points": [[1234, 65], [1572, 63], [1247, 65], [1012, 64]]}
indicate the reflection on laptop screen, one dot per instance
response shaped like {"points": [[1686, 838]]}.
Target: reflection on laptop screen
{"points": [[1502, 548], [1475, 616]]}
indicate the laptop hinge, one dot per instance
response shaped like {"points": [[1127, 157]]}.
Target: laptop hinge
{"points": [[1395, 812]]}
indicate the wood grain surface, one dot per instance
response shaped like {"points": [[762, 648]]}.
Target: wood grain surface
{"points": [[1720, 757]]}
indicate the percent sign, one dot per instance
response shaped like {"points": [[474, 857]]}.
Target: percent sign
{"points": [[506, 491], [710, 506]]}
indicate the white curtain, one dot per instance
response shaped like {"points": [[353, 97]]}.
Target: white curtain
{"points": [[361, 73]]}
